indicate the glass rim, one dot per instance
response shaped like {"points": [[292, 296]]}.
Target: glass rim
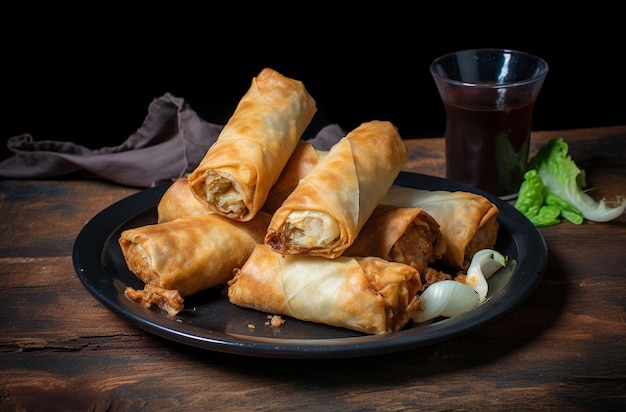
{"points": [[490, 85]]}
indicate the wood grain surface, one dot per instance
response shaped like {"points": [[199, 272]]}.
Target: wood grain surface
{"points": [[564, 348]]}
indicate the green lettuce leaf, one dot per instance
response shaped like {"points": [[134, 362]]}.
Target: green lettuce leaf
{"points": [[531, 201], [561, 177]]}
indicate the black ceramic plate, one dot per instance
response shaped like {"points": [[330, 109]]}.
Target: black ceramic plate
{"points": [[211, 322]]}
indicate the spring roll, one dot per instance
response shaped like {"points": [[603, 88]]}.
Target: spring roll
{"points": [[468, 221], [191, 254], [366, 294], [325, 212], [238, 170], [400, 234], [179, 201]]}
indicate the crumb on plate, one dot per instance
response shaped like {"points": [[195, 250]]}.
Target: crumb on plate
{"points": [[275, 321]]}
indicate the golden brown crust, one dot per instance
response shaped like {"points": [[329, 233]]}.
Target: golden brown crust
{"points": [[179, 201], [468, 221], [397, 284], [238, 170], [330, 205], [192, 253], [370, 294]]}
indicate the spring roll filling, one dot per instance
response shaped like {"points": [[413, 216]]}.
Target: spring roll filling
{"points": [[142, 263], [416, 248], [222, 192], [311, 228]]}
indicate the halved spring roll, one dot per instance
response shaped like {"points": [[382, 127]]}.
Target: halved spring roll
{"points": [[238, 170], [468, 221], [179, 201], [366, 294], [325, 212], [191, 254], [400, 234]]}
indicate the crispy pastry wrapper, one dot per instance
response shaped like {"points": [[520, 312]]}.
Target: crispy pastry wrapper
{"points": [[238, 170], [323, 215], [366, 294], [407, 235], [191, 254], [301, 162], [179, 201], [468, 221]]}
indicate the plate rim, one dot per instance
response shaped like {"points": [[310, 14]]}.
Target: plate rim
{"points": [[161, 325]]}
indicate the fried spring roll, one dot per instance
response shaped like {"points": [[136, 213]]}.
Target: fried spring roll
{"points": [[238, 170], [329, 206], [178, 200], [468, 221], [191, 254], [400, 234], [368, 294]]}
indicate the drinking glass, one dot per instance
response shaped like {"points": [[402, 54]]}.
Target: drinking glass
{"points": [[489, 96]]}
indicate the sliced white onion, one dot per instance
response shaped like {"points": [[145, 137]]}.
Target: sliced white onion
{"points": [[445, 298], [449, 298], [484, 264], [478, 283], [490, 261]]}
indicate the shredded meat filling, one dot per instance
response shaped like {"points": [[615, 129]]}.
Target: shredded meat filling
{"points": [[416, 248], [431, 276], [167, 300]]}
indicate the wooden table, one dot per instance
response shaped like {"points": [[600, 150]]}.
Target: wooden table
{"points": [[564, 348]]}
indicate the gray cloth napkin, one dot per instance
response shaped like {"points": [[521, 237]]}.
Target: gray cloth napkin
{"points": [[170, 143]]}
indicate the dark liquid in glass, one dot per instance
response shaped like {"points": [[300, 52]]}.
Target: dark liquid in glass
{"points": [[487, 147]]}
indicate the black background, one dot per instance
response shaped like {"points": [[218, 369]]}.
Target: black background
{"points": [[88, 76]]}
